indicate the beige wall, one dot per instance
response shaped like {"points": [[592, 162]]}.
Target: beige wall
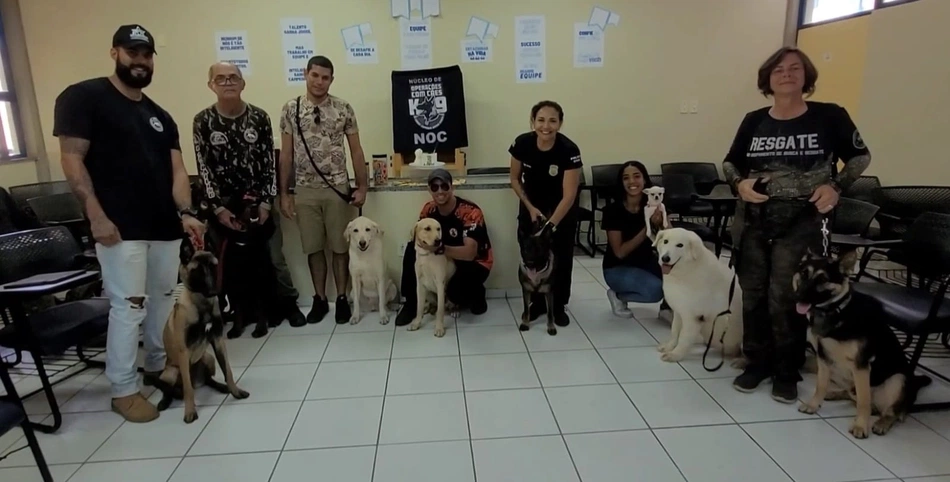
{"points": [[905, 99], [662, 53], [890, 69]]}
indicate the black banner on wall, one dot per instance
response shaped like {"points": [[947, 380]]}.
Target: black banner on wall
{"points": [[429, 110]]}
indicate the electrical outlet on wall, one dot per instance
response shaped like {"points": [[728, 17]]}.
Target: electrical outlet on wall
{"points": [[684, 107], [694, 106], [400, 250]]}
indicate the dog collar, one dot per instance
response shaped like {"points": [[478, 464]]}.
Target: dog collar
{"points": [[835, 306]]}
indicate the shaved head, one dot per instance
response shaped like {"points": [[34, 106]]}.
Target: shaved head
{"points": [[224, 68]]}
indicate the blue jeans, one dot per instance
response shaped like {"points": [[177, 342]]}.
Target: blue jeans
{"points": [[634, 285]]}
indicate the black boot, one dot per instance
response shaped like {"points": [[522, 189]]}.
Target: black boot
{"points": [[752, 377], [343, 312], [293, 314], [560, 315]]}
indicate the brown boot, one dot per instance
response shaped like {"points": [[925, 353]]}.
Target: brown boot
{"points": [[135, 408]]}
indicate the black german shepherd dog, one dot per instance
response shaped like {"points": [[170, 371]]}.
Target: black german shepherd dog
{"points": [[856, 350], [536, 271], [247, 273]]}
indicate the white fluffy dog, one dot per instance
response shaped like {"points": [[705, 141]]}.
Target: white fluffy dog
{"points": [[696, 286], [371, 286], [433, 272], [654, 202]]}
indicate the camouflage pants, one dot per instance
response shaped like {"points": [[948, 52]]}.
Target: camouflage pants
{"points": [[775, 235]]}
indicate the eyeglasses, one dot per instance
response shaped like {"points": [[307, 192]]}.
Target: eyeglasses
{"points": [[436, 186], [230, 79]]}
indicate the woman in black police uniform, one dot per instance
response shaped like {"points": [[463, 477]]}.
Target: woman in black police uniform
{"points": [[545, 174], [792, 148]]}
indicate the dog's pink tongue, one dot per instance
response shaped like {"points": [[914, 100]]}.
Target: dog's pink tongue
{"points": [[666, 268], [802, 308]]}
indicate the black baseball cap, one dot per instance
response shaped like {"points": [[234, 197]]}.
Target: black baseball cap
{"points": [[440, 174], [132, 36]]}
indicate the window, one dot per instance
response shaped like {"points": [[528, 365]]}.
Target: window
{"points": [[820, 11], [11, 135], [817, 11]]}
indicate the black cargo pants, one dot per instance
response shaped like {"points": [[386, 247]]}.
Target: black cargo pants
{"points": [[775, 235]]}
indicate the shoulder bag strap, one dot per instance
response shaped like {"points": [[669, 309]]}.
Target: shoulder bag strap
{"points": [[303, 141]]}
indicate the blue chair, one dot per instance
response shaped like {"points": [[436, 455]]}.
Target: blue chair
{"points": [[12, 414]]}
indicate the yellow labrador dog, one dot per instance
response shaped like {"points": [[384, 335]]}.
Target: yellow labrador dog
{"points": [[433, 272], [697, 287], [371, 286]]}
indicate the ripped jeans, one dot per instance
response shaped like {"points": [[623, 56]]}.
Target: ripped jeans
{"points": [[139, 278]]}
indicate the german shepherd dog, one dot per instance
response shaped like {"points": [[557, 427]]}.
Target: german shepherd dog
{"points": [[194, 324], [856, 350], [536, 271], [248, 277]]}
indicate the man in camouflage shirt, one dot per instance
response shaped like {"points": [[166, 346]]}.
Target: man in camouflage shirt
{"points": [[234, 146], [312, 129]]}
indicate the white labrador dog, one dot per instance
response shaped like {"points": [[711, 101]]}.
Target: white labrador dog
{"points": [[696, 286], [371, 286], [433, 272]]}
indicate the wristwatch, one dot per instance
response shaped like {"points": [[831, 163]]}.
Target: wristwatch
{"points": [[187, 212]]}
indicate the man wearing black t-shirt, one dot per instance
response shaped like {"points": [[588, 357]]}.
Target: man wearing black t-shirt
{"points": [[122, 157], [464, 240], [234, 145]]}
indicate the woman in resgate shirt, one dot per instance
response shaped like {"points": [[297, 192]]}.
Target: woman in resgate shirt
{"points": [[545, 174], [791, 149]]}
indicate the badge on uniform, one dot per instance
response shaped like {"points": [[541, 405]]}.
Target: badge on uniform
{"points": [[218, 138], [156, 124], [552, 170]]}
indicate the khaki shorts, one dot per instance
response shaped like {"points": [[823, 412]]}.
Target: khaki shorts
{"points": [[322, 217]]}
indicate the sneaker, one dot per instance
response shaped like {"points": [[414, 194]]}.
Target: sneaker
{"points": [[319, 309], [751, 378], [560, 316], [479, 307], [784, 390], [343, 312], [618, 306], [135, 408], [406, 315]]}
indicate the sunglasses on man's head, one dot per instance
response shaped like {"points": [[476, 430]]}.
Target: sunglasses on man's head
{"points": [[436, 186]]}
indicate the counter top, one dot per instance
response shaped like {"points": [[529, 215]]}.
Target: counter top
{"points": [[487, 181]]}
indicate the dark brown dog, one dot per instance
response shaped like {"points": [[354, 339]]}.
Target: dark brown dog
{"points": [[195, 324]]}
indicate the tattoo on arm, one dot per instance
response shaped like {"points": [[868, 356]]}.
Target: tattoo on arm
{"points": [[853, 169], [74, 146], [731, 172]]}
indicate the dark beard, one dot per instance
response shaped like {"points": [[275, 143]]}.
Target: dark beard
{"points": [[124, 73]]}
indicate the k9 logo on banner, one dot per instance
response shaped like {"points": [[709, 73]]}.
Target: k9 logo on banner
{"points": [[429, 110]]}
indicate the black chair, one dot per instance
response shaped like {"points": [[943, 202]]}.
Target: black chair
{"points": [[705, 174], [603, 187], [12, 414], [48, 332], [852, 217], [24, 192], [680, 191], [923, 310], [863, 189], [584, 215], [14, 218], [57, 209], [656, 179], [481, 171]]}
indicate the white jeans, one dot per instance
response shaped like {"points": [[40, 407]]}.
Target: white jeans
{"points": [[139, 278]]}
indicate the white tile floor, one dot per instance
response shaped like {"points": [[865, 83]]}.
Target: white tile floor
{"points": [[378, 403]]}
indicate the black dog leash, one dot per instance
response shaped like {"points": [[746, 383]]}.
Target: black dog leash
{"points": [[712, 331], [348, 198]]}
